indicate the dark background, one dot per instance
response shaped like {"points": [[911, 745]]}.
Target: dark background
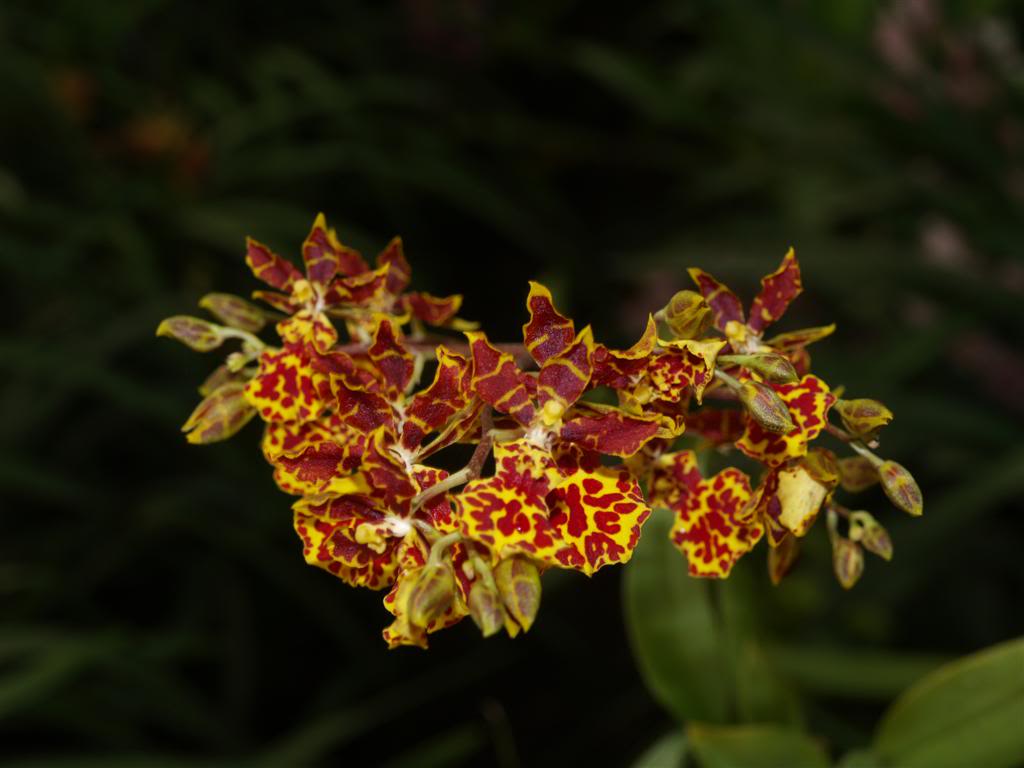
{"points": [[154, 606]]}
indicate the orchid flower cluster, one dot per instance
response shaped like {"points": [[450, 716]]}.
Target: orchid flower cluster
{"points": [[352, 431]]}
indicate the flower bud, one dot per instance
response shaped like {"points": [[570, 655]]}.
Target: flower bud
{"points": [[518, 582], [196, 333], [220, 415], [687, 315], [485, 608], [863, 417], [901, 488], [765, 407], [856, 474], [847, 561], [770, 366], [432, 595], [233, 311], [782, 558], [870, 534]]}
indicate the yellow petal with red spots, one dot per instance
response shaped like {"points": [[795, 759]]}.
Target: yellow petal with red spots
{"points": [[508, 512], [308, 458], [716, 425], [725, 305], [596, 510], [712, 526], [777, 292], [361, 289], [548, 333], [682, 365], [618, 369], [284, 388], [308, 327], [219, 416], [350, 537], [808, 402], [387, 472], [498, 381], [565, 376]]}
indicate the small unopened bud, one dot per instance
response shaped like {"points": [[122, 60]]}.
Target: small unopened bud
{"points": [[234, 311], [518, 582], [432, 595], [901, 488], [782, 558], [856, 473], [771, 367], [687, 315], [765, 407], [870, 534], [485, 608], [199, 334], [863, 417], [847, 561], [220, 415]]}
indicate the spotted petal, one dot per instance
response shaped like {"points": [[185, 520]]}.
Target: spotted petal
{"points": [[448, 394], [284, 388], [597, 512], [320, 253], [432, 310], [682, 365], [606, 429], [565, 376], [619, 368], [710, 527], [391, 358], [808, 401], [777, 292], [508, 512], [399, 272], [725, 305]]}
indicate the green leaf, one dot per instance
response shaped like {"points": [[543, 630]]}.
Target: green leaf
{"points": [[754, 746], [667, 752], [970, 712], [672, 629]]}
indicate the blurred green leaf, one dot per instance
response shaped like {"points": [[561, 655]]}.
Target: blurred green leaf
{"points": [[675, 636], [667, 752], [754, 746], [970, 712]]}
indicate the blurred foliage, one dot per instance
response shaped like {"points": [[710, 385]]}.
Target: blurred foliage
{"points": [[155, 607]]}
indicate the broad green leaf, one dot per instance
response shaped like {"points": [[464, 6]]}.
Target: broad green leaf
{"points": [[754, 746], [968, 713], [667, 752], [673, 630]]}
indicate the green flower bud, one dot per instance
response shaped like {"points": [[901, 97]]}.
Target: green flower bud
{"points": [[432, 595], [782, 558], [863, 417], [765, 407], [485, 608], [771, 367], [518, 582], [847, 561], [194, 332], [870, 534], [687, 315], [234, 311], [901, 488]]}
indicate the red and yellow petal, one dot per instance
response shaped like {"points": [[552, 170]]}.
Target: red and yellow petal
{"points": [[391, 358], [606, 429], [683, 365], [548, 333], [787, 342], [284, 388], [362, 289], [349, 537], [508, 512], [498, 381], [618, 369], [308, 458], [267, 266], [447, 395], [777, 292], [389, 475], [808, 401], [725, 305], [308, 327], [565, 376], [220, 415], [319, 253], [399, 272], [432, 310], [596, 510], [717, 425]]}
